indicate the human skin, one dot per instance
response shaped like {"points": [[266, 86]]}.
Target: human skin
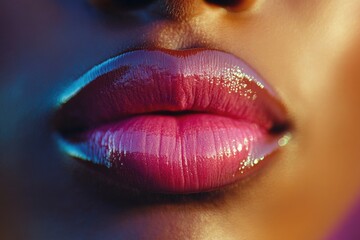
{"points": [[307, 50]]}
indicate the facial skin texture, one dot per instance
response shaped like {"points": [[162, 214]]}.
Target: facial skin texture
{"points": [[307, 50]]}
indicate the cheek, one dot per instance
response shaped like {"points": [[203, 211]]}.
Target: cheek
{"points": [[327, 114], [333, 134]]}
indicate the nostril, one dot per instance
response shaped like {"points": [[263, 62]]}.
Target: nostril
{"points": [[231, 4], [122, 4]]}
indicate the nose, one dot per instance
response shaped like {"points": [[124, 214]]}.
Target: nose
{"points": [[186, 9], [175, 24], [175, 8]]}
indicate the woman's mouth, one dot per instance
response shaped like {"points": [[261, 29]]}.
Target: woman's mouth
{"points": [[172, 121]]}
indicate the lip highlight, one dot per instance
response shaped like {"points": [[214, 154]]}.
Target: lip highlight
{"points": [[172, 121]]}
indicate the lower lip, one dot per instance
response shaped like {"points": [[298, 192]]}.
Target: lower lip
{"points": [[175, 154]]}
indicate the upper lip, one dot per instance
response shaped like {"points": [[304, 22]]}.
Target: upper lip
{"points": [[131, 84]]}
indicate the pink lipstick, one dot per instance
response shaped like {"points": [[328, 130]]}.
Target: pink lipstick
{"points": [[172, 121]]}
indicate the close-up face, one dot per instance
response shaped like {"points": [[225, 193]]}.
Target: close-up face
{"points": [[165, 119]]}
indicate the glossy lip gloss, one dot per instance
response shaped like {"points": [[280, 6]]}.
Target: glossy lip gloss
{"points": [[172, 121]]}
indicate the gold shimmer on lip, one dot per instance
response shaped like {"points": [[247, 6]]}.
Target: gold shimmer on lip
{"points": [[236, 81], [284, 140], [250, 161]]}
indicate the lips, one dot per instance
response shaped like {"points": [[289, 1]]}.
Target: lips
{"points": [[172, 121]]}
